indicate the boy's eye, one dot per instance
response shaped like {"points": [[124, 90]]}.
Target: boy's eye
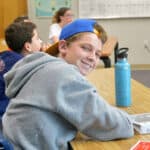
{"points": [[86, 48], [97, 54]]}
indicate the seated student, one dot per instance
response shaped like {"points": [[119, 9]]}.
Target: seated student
{"points": [[44, 46], [18, 19], [62, 17], [22, 38], [51, 98]]}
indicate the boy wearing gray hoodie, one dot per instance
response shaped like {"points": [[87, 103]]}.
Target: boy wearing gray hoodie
{"points": [[51, 100]]}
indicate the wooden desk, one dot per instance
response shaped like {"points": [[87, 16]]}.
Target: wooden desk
{"points": [[103, 79]]}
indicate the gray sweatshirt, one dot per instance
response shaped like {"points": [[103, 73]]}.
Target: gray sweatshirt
{"points": [[51, 101]]}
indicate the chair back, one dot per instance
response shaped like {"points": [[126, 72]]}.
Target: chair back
{"points": [[3, 45]]}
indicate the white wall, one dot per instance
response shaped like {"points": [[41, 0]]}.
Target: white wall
{"points": [[131, 33]]}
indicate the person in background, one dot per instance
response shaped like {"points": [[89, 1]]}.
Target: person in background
{"points": [[62, 17], [44, 45], [52, 100], [22, 39]]}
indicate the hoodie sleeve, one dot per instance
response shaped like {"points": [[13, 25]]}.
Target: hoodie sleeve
{"points": [[79, 103]]}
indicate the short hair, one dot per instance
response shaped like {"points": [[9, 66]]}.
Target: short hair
{"points": [[16, 34], [21, 19]]}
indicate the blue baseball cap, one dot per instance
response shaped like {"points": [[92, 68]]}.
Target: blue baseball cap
{"points": [[77, 26]]}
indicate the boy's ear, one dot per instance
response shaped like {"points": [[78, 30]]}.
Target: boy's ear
{"points": [[62, 46], [27, 46]]}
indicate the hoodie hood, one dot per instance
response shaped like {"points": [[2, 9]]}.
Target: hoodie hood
{"points": [[16, 78]]}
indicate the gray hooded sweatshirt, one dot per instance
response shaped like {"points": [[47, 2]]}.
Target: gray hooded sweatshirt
{"points": [[51, 101]]}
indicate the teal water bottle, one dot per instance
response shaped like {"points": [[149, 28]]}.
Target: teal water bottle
{"points": [[122, 79]]}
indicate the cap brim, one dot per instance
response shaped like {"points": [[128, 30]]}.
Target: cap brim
{"points": [[53, 49]]}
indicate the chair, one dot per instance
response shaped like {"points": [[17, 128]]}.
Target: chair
{"points": [[107, 61], [3, 45], [109, 46], [115, 52]]}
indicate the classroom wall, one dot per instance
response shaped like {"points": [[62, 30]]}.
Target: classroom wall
{"points": [[9, 10], [133, 33]]}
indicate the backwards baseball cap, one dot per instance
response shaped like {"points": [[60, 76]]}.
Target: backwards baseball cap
{"points": [[77, 26]]}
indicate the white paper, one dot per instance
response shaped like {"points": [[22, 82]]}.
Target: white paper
{"points": [[114, 8], [141, 122]]}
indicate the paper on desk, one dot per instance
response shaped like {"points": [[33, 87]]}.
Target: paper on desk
{"points": [[141, 123]]}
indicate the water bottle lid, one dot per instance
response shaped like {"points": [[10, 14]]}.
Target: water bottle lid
{"points": [[122, 52]]}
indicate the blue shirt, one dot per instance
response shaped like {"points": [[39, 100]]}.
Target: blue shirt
{"points": [[7, 60]]}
